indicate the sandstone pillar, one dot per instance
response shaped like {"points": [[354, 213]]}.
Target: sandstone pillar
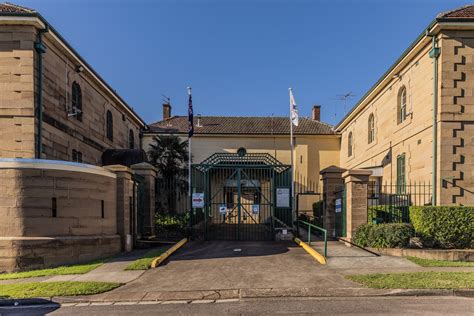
{"points": [[356, 182], [332, 182], [125, 205]]}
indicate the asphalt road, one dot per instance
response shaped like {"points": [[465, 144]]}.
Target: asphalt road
{"points": [[308, 306]]}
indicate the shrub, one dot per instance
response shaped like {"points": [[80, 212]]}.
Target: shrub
{"points": [[166, 223], [444, 226], [392, 235]]}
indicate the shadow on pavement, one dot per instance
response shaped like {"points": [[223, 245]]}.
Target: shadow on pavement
{"points": [[29, 306], [196, 250]]}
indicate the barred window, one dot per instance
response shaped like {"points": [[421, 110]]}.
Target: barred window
{"points": [[77, 100], [371, 128], [110, 126], [350, 144], [131, 140], [402, 105]]}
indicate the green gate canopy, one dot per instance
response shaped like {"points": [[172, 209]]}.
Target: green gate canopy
{"points": [[234, 160]]}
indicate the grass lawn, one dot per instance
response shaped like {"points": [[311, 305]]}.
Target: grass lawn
{"points": [[440, 263], [73, 269], [417, 280], [48, 289], [144, 263]]}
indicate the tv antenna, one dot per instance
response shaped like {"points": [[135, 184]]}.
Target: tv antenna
{"points": [[344, 98], [166, 99]]}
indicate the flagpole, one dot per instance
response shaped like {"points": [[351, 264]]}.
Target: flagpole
{"points": [[189, 161], [291, 158]]}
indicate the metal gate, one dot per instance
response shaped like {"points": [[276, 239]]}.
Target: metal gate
{"points": [[240, 197], [139, 201], [340, 210]]}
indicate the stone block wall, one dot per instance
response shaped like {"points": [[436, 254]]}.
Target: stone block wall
{"points": [[17, 111], [55, 212]]}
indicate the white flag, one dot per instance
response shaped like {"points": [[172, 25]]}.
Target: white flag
{"points": [[293, 109]]}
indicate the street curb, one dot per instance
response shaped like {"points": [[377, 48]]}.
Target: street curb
{"points": [[157, 261], [192, 297]]}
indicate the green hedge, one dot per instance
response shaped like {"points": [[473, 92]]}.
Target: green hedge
{"points": [[392, 235], [444, 226]]}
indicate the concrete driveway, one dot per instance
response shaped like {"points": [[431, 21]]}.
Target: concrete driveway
{"points": [[217, 265]]}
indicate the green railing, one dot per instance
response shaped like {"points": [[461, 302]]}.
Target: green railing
{"points": [[325, 233]]}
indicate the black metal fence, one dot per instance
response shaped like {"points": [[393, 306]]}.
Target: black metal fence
{"points": [[390, 203], [172, 195]]}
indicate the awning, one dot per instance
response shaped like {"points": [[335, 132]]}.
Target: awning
{"points": [[377, 171]]}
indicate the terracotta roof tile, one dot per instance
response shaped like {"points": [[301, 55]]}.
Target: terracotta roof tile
{"points": [[466, 11], [7, 7], [241, 125]]}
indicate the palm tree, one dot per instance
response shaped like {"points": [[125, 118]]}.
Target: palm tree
{"points": [[170, 156]]}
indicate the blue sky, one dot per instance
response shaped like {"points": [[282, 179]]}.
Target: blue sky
{"points": [[240, 57]]}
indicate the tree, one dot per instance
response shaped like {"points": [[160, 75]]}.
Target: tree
{"points": [[170, 156]]}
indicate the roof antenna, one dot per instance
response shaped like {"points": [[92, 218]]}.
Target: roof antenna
{"points": [[344, 97], [165, 99]]}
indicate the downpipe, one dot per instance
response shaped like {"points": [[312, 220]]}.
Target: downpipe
{"points": [[40, 49], [434, 54]]}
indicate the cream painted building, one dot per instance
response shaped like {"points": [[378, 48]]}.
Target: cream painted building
{"points": [[390, 130], [316, 144]]}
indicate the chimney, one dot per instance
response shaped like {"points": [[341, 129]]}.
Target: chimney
{"points": [[166, 111], [316, 113]]}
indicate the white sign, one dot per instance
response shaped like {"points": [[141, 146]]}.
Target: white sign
{"points": [[283, 197], [255, 209], [338, 205], [223, 209], [198, 200]]}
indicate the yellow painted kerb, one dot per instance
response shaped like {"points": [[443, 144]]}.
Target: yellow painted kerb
{"points": [[316, 255], [157, 261]]}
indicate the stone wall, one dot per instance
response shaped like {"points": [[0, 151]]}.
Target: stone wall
{"points": [[17, 111], [55, 212], [456, 116], [61, 132]]}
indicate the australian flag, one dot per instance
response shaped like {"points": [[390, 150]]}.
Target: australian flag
{"points": [[190, 114]]}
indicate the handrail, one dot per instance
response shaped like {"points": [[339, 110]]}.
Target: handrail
{"points": [[321, 229]]}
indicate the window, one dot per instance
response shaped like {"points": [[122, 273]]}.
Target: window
{"points": [[76, 156], [77, 101], [350, 142], [371, 136], [102, 209], [54, 207], [131, 140], [110, 126], [402, 105], [401, 180]]}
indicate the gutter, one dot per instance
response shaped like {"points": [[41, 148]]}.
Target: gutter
{"points": [[40, 50]]}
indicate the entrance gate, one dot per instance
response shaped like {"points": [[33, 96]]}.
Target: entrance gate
{"points": [[244, 197]]}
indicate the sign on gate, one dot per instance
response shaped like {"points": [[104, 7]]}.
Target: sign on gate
{"points": [[283, 197], [255, 209], [198, 200], [338, 205], [223, 209]]}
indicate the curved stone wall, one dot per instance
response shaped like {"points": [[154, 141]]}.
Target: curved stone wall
{"points": [[55, 212]]}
